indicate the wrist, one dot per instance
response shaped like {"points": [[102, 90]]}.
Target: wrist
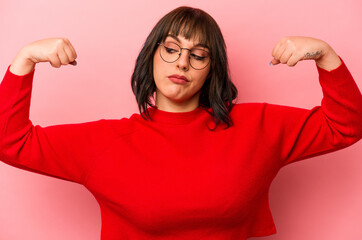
{"points": [[329, 60], [22, 64]]}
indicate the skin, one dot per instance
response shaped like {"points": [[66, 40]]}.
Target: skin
{"points": [[175, 97], [170, 96], [56, 51], [291, 50]]}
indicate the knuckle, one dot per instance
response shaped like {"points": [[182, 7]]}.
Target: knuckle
{"points": [[61, 41]]}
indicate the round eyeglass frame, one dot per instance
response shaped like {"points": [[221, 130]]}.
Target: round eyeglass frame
{"points": [[179, 55]]}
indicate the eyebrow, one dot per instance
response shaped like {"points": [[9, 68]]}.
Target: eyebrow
{"points": [[178, 40]]}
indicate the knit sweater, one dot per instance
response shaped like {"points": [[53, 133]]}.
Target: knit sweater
{"points": [[172, 177]]}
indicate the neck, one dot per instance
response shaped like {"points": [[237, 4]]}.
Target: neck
{"points": [[168, 105]]}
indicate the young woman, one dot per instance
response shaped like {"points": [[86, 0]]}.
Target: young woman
{"points": [[193, 164]]}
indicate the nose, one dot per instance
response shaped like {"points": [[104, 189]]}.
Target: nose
{"points": [[183, 61]]}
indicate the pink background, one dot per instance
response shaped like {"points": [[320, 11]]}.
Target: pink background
{"points": [[319, 198]]}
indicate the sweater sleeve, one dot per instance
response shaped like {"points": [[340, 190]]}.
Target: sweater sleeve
{"points": [[295, 134], [62, 151]]}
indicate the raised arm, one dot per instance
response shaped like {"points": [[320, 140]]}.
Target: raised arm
{"points": [[291, 50], [56, 51], [295, 133], [63, 151]]}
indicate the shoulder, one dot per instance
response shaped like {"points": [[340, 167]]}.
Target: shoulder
{"points": [[107, 127], [256, 112], [247, 109], [257, 108]]}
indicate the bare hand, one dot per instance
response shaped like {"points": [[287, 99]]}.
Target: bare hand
{"points": [[56, 51], [291, 50]]}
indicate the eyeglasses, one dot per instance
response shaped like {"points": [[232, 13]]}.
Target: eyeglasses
{"points": [[170, 52]]}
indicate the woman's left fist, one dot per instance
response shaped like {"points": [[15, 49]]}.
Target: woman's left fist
{"points": [[291, 50]]}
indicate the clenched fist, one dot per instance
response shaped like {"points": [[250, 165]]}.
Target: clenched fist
{"points": [[56, 51], [291, 50]]}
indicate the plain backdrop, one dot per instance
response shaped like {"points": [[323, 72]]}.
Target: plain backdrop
{"points": [[319, 198]]}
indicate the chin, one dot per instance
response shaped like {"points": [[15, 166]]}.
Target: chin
{"points": [[175, 95], [178, 99]]}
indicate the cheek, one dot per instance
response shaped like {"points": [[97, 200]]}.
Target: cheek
{"points": [[158, 66], [204, 75]]}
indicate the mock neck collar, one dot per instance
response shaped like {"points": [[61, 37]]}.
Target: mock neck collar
{"points": [[158, 115]]}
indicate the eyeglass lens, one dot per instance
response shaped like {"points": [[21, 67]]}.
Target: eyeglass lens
{"points": [[170, 52]]}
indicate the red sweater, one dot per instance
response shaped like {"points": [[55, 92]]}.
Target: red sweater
{"points": [[172, 178]]}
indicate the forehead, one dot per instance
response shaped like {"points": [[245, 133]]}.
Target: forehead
{"points": [[193, 42], [189, 29]]}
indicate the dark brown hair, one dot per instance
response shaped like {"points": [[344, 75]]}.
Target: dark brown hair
{"points": [[218, 92]]}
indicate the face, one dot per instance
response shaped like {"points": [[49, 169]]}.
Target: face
{"points": [[177, 82]]}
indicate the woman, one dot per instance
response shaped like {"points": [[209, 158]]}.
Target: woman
{"points": [[192, 165]]}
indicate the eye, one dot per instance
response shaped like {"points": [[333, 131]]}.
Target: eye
{"points": [[196, 57], [171, 47], [199, 54], [170, 50]]}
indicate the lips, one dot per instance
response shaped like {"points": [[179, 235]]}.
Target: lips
{"points": [[178, 78]]}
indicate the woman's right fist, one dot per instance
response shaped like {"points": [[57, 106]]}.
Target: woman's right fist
{"points": [[56, 51]]}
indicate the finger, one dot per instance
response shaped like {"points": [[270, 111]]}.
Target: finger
{"points": [[274, 62], [74, 53], [54, 60], [72, 50], [293, 60], [277, 47], [280, 52], [70, 54], [286, 55], [63, 57]]}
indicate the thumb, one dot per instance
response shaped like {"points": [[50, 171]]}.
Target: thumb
{"points": [[274, 62]]}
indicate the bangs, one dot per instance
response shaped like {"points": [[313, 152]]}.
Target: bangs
{"points": [[217, 92], [191, 24]]}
